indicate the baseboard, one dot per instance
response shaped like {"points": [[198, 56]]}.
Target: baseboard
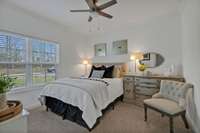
{"points": [[195, 126], [33, 106]]}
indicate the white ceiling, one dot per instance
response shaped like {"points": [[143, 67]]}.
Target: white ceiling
{"points": [[126, 12]]}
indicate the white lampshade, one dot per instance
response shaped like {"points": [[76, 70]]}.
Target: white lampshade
{"points": [[136, 56], [85, 62]]}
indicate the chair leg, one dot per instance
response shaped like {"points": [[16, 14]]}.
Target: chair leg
{"points": [[185, 121], [171, 124], [145, 112]]}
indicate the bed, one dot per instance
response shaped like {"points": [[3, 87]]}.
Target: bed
{"points": [[75, 104], [82, 100]]}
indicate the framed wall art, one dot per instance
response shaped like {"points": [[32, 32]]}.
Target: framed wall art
{"points": [[100, 49], [120, 47]]}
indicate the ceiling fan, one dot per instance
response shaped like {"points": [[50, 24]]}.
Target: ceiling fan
{"points": [[93, 8]]}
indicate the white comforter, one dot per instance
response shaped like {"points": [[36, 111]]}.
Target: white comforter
{"points": [[89, 95]]}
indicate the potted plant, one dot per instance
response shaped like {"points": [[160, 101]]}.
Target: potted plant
{"points": [[6, 83]]}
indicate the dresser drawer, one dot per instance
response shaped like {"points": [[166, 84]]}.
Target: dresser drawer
{"points": [[127, 79], [146, 81], [147, 85], [146, 91]]}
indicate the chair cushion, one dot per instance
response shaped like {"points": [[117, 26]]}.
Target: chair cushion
{"points": [[164, 105]]}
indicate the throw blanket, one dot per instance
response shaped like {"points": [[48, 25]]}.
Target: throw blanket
{"points": [[90, 95]]}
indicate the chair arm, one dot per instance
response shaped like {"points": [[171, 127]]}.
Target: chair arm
{"points": [[157, 95]]}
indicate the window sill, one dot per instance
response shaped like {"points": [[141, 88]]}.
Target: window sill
{"points": [[25, 89]]}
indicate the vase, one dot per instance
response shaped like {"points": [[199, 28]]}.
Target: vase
{"points": [[3, 102]]}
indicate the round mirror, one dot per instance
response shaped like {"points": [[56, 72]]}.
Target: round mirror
{"points": [[152, 60]]}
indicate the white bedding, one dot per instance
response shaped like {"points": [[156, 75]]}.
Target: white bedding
{"points": [[115, 89], [90, 96]]}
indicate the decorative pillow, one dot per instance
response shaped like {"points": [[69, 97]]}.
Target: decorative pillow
{"points": [[120, 70], [109, 72], [116, 72], [97, 73], [96, 68]]}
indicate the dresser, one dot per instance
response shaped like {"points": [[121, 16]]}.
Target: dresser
{"points": [[139, 87]]}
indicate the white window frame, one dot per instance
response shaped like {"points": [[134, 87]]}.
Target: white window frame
{"points": [[28, 59]]}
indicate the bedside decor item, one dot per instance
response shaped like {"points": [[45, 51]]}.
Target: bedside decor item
{"points": [[152, 59], [100, 49], [120, 47], [6, 83], [85, 62], [136, 57], [171, 70], [142, 67]]}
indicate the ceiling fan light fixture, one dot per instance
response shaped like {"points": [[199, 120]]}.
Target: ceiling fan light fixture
{"points": [[94, 14], [95, 10]]}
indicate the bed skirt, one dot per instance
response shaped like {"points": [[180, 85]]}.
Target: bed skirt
{"points": [[70, 112]]}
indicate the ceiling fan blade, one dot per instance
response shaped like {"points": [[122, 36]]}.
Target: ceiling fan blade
{"points": [[91, 4], [108, 4], [105, 14], [87, 10], [90, 19]]}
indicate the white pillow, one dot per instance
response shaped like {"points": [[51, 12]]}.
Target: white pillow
{"points": [[97, 73]]}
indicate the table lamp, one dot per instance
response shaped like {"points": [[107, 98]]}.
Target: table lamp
{"points": [[136, 56], [85, 62]]}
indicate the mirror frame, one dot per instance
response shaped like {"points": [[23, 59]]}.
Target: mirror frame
{"points": [[163, 59]]}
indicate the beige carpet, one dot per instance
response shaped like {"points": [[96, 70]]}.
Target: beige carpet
{"points": [[126, 118]]}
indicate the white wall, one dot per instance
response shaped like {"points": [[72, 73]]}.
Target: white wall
{"points": [[191, 52], [161, 34], [29, 98], [73, 46]]}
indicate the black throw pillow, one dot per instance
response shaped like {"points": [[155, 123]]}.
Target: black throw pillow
{"points": [[96, 68], [109, 72]]}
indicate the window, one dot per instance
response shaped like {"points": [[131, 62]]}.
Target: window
{"points": [[50, 73], [31, 61], [44, 60], [43, 73], [38, 75], [12, 57], [17, 71], [3, 48]]}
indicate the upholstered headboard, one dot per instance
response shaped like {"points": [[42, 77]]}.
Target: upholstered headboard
{"points": [[120, 68]]}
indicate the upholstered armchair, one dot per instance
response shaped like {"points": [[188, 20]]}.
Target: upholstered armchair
{"points": [[170, 101]]}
